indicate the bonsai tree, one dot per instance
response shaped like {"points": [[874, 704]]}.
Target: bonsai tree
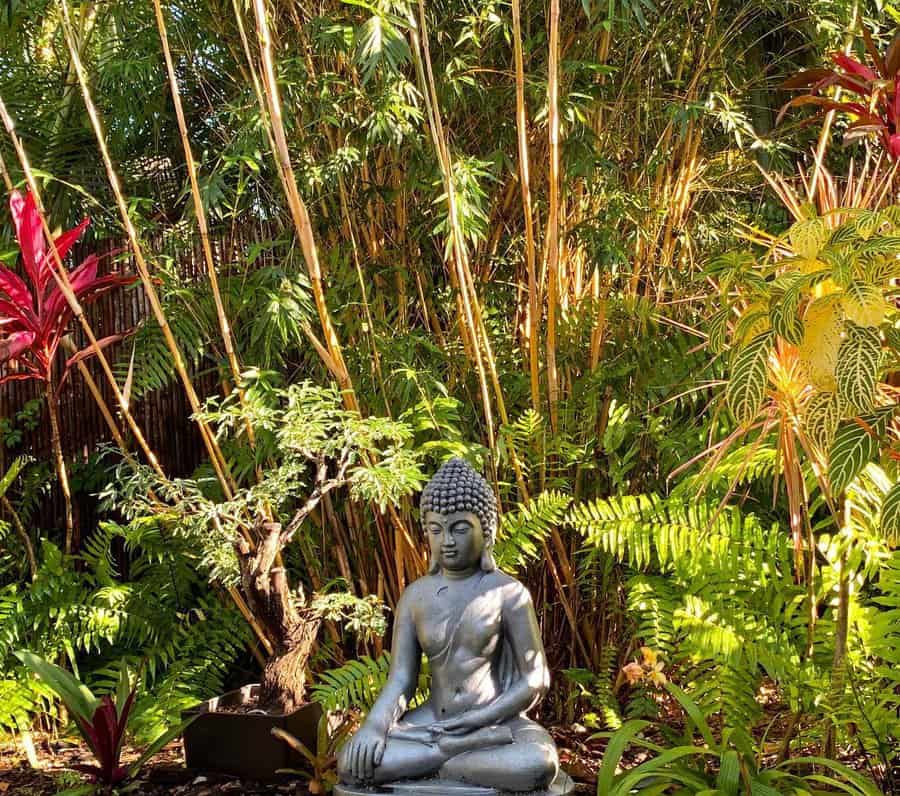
{"points": [[306, 446]]}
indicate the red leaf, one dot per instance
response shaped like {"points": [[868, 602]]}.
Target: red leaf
{"points": [[63, 244], [12, 346], [28, 232], [854, 67], [13, 313], [806, 78], [894, 146], [104, 723], [14, 287], [831, 105], [86, 353], [18, 377], [79, 280]]}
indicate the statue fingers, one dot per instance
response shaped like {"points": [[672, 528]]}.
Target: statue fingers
{"points": [[357, 761], [367, 760]]}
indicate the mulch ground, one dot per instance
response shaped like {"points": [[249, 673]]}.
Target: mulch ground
{"points": [[166, 774]]}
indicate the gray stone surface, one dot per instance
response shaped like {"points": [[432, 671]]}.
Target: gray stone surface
{"points": [[478, 628], [561, 786]]}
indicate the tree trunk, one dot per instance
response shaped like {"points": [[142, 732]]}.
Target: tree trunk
{"points": [[288, 621], [61, 472], [284, 677]]}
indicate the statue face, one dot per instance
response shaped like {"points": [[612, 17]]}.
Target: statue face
{"points": [[456, 540]]}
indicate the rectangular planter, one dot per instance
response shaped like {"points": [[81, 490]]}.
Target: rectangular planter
{"points": [[242, 744]]}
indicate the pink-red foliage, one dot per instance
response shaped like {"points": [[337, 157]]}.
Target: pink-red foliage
{"points": [[34, 314], [876, 104], [104, 734]]}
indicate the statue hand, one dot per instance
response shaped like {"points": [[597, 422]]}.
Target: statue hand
{"points": [[458, 725], [362, 754]]}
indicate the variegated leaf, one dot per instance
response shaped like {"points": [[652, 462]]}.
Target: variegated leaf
{"points": [[808, 237], [821, 419], [890, 515], [859, 360], [853, 448], [856, 443], [718, 329], [784, 316], [864, 304], [749, 376]]}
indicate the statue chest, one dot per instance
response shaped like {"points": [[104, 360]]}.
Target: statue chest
{"points": [[461, 624]]}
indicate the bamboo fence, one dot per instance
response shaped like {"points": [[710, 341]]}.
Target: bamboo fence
{"points": [[164, 414]]}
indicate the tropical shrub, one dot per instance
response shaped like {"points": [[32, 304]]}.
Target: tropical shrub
{"points": [[102, 722]]}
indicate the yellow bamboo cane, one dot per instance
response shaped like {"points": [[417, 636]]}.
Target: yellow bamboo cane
{"points": [[212, 446], [299, 213], [200, 211]]}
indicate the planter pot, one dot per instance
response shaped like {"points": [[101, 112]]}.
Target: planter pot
{"points": [[242, 744]]}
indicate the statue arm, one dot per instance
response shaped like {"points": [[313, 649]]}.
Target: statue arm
{"points": [[403, 678], [522, 630]]}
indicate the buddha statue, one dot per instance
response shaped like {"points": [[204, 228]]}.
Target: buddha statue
{"points": [[478, 628]]}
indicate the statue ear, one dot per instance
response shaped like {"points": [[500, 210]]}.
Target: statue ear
{"points": [[488, 564]]}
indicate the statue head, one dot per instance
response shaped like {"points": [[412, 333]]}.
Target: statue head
{"points": [[456, 493]]}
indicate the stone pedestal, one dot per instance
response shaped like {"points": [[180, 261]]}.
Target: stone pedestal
{"points": [[561, 786]]}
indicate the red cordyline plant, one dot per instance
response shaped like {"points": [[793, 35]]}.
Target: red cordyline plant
{"points": [[875, 107], [35, 315]]}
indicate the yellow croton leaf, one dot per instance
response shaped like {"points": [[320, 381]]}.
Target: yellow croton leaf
{"points": [[650, 656], [818, 350]]}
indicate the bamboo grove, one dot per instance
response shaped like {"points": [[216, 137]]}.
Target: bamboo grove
{"points": [[588, 246]]}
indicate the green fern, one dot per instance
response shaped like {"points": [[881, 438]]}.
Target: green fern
{"points": [[523, 530]]}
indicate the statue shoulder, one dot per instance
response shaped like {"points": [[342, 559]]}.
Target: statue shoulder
{"points": [[413, 593], [512, 588]]}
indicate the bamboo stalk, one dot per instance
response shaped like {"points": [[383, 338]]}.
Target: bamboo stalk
{"points": [[61, 471], [212, 446], [553, 217], [200, 211], [296, 204], [429, 92]]}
